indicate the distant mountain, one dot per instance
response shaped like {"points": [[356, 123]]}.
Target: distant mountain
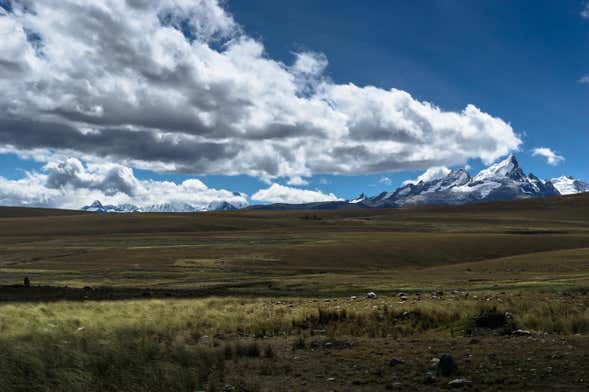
{"points": [[567, 185], [97, 206], [502, 181]]}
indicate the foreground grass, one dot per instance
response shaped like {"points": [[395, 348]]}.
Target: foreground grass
{"points": [[184, 345]]}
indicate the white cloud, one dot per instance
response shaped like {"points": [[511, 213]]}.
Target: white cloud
{"points": [[433, 173], [384, 180], [585, 11], [177, 84], [584, 79], [297, 181], [552, 158], [277, 193], [71, 184]]}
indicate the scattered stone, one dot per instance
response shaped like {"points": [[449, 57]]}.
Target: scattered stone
{"points": [[459, 383], [492, 319], [228, 388], [447, 366], [434, 363], [353, 297], [331, 379], [395, 362], [521, 332], [371, 295], [429, 378]]}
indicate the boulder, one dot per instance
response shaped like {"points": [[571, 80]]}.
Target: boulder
{"points": [[447, 366]]}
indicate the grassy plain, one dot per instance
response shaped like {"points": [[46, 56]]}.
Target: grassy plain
{"points": [[282, 316]]}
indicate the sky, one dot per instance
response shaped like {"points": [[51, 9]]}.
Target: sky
{"points": [[196, 101]]}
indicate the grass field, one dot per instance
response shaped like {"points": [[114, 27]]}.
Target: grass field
{"points": [[271, 304]]}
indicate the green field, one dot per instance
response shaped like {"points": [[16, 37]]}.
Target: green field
{"points": [[270, 303]]}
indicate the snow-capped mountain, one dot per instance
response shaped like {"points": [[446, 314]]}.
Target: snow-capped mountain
{"points": [[221, 205], [567, 185], [97, 206], [502, 181], [358, 199]]}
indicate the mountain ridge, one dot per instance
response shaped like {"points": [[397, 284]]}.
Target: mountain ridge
{"points": [[504, 180]]}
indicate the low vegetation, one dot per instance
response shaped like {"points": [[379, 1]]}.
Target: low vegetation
{"points": [[279, 301]]}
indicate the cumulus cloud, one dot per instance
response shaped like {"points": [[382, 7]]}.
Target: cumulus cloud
{"points": [[277, 193], [433, 173], [177, 84], [71, 184], [584, 79], [297, 181], [552, 158]]}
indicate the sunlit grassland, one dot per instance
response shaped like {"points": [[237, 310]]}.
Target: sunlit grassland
{"points": [[530, 259], [187, 344]]}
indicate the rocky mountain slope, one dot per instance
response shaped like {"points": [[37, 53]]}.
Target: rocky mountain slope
{"points": [[504, 180]]}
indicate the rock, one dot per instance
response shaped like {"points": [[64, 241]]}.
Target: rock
{"points": [[447, 366], [434, 363], [459, 383], [492, 319], [521, 332], [395, 362], [353, 297], [429, 378], [371, 295]]}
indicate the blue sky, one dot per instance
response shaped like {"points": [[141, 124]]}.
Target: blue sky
{"points": [[521, 62]]}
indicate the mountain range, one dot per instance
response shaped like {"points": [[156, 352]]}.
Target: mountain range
{"points": [[97, 206], [504, 180]]}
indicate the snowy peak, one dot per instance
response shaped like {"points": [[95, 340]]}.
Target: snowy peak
{"points": [[507, 168], [95, 206], [568, 185], [220, 205], [504, 180], [358, 199], [455, 178]]}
